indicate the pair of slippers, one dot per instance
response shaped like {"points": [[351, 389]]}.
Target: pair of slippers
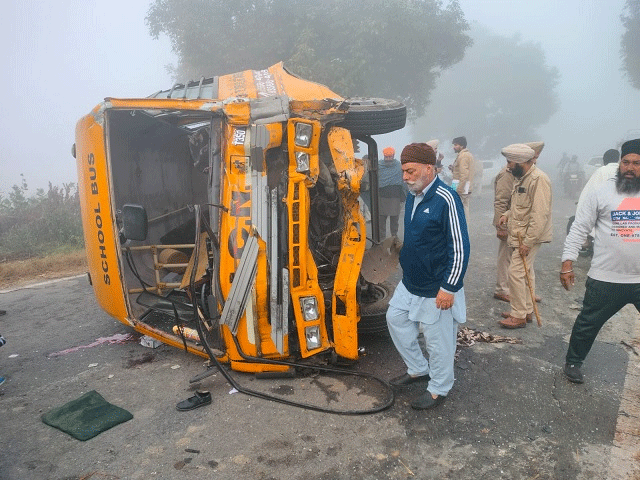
{"points": [[200, 399]]}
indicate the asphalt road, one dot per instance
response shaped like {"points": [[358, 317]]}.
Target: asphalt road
{"points": [[511, 413]]}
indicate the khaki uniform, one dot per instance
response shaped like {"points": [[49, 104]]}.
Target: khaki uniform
{"points": [[502, 186], [464, 170], [530, 216]]}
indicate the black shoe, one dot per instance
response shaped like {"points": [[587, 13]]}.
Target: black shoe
{"points": [[426, 401], [406, 379], [200, 399], [573, 373], [3, 312]]}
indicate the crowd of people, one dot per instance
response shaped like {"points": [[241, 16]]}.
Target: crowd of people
{"points": [[430, 298]]}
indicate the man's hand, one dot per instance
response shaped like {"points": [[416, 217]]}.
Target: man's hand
{"points": [[524, 250], [503, 220], [444, 300], [502, 234], [567, 277]]}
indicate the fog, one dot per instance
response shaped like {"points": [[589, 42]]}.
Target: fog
{"points": [[62, 58], [582, 39]]}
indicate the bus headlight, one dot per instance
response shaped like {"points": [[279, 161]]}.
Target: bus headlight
{"points": [[309, 308], [312, 334], [304, 131], [302, 162]]}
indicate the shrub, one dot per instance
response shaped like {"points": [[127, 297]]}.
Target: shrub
{"points": [[40, 224]]}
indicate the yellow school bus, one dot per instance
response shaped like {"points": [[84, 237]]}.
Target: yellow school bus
{"points": [[224, 216]]}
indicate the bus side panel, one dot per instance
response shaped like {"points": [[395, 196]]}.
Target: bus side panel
{"points": [[98, 218]]}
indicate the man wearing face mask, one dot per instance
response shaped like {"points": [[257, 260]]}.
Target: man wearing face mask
{"points": [[529, 224], [612, 210], [434, 259], [503, 185]]}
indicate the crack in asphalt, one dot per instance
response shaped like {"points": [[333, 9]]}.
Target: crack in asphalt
{"points": [[554, 393]]}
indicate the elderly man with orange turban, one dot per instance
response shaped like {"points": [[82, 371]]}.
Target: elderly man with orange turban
{"points": [[391, 192], [529, 224]]}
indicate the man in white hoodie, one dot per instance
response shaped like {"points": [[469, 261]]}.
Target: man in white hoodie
{"points": [[612, 210]]}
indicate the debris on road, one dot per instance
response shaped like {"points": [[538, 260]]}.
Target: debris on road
{"points": [[468, 337], [149, 342]]}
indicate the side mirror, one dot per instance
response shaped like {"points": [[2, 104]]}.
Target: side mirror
{"points": [[134, 222]]}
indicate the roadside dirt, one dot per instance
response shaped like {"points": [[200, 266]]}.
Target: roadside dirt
{"points": [[19, 273]]}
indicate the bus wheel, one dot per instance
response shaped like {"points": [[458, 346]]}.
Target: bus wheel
{"points": [[374, 116]]}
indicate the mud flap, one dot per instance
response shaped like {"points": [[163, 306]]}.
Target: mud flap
{"points": [[381, 261]]}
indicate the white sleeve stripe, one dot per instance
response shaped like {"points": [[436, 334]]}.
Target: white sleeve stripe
{"points": [[456, 233]]}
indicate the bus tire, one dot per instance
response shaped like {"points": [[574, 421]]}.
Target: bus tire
{"points": [[374, 116], [373, 316]]}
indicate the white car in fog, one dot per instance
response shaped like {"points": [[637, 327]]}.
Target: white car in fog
{"points": [[490, 169], [592, 165]]}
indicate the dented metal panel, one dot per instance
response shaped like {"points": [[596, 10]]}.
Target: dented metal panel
{"points": [[345, 310], [270, 110], [241, 287]]}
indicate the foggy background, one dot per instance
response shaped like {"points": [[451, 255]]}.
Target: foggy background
{"points": [[61, 59]]}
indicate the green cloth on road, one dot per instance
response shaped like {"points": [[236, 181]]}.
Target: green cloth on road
{"points": [[87, 416]]}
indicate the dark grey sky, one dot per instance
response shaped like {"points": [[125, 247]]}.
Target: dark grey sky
{"points": [[62, 58]]}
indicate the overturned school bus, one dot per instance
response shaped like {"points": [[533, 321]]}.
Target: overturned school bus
{"points": [[229, 207]]}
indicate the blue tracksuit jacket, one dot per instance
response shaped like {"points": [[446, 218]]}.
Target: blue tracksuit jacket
{"points": [[435, 252]]}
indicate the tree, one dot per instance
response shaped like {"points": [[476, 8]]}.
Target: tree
{"points": [[497, 95], [630, 43], [381, 48]]}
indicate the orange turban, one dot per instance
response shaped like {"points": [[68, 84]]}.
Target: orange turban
{"points": [[389, 152]]}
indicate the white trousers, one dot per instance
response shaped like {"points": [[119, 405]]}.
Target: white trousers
{"points": [[408, 313]]}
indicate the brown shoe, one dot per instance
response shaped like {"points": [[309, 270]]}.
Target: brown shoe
{"points": [[513, 322], [501, 296], [529, 316]]}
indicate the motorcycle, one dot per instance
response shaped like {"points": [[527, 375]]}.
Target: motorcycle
{"points": [[572, 185]]}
